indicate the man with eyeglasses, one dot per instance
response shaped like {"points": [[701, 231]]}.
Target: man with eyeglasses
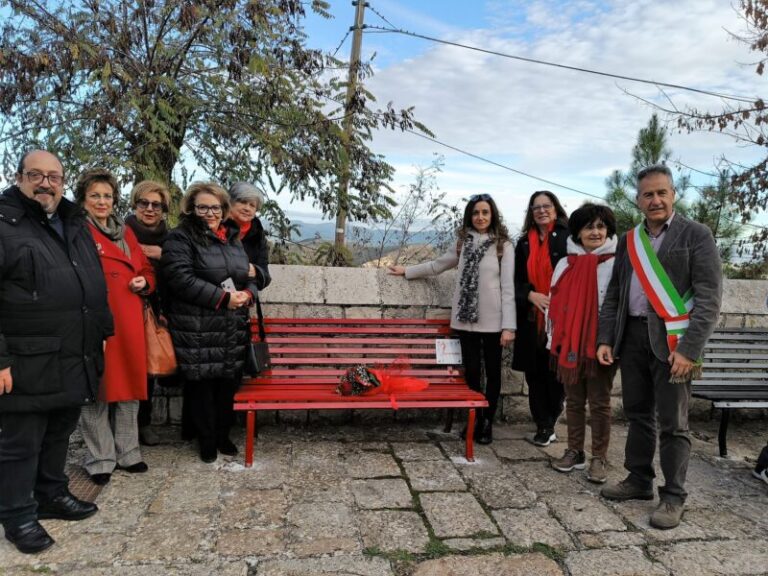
{"points": [[660, 307], [54, 319]]}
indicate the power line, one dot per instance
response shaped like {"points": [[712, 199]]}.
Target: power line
{"points": [[372, 9], [504, 166], [344, 39], [394, 30]]}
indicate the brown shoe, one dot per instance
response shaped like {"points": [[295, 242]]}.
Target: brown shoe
{"points": [[598, 470], [571, 460], [667, 515], [626, 490]]}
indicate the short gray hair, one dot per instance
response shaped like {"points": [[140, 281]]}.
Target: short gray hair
{"points": [[655, 169], [246, 192]]}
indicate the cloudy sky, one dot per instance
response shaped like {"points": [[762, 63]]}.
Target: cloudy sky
{"points": [[565, 126]]}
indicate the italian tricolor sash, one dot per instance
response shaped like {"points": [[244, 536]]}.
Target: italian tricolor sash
{"points": [[661, 293]]}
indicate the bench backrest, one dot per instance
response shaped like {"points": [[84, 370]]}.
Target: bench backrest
{"points": [[319, 350], [735, 363]]}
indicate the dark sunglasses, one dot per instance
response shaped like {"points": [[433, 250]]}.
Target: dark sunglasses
{"points": [[144, 204], [480, 198]]}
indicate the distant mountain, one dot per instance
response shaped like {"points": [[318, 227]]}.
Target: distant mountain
{"points": [[326, 231]]}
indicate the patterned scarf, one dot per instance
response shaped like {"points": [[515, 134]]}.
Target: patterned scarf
{"points": [[539, 267], [470, 276], [114, 230]]}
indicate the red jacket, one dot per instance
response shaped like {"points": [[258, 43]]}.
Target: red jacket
{"points": [[125, 361]]}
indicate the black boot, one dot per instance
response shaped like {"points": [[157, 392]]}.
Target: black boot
{"points": [[485, 432], [29, 538]]}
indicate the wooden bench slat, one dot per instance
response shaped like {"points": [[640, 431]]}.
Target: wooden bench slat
{"points": [[351, 361], [350, 321], [355, 330], [275, 340], [735, 356], [331, 349]]}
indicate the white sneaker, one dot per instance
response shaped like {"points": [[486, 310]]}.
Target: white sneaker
{"points": [[762, 475]]}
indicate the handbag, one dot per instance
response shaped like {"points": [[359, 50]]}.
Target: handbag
{"points": [[161, 358], [257, 353]]}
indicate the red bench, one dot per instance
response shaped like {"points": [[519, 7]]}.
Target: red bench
{"points": [[310, 355]]}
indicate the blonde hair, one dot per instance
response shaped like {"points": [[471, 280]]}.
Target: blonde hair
{"points": [[147, 187], [196, 188]]}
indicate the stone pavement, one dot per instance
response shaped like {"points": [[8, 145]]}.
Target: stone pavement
{"points": [[398, 498]]}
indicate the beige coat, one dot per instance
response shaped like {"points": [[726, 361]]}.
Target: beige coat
{"points": [[496, 301]]}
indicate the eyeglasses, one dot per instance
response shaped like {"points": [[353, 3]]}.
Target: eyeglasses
{"points": [[203, 209], [144, 204], [97, 197], [542, 208], [36, 178], [480, 198]]}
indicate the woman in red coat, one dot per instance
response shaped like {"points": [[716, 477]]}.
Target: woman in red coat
{"points": [[109, 426]]}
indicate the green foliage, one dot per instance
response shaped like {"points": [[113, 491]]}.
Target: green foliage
{"points": [[436, 548], [329, 254], [153, 88]]}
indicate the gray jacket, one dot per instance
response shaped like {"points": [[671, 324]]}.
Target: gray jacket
{"points": [[496, 284], [689, 255]]}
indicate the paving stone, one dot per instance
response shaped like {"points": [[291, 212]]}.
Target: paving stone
{"points": [[372, 465], [337, 566], [252, 542], [69, 548], [193, 493], [484, 455], [610, 539], [410, 451], [220, 568], [470, 544], [490, 565], [531, 525], [498, 487], [322, 528], [161, 537], [390, 530], [583, 513], [455, 514], [382, 493], [639, 513], [246, 508], [433, 475], [327, 489], [714, 558], [539, 477], [517, 450], [625, 562]]}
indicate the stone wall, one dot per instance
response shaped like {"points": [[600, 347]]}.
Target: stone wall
{"points": [[314, 292]]}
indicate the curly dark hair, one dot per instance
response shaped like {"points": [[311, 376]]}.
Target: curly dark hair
{"points": [[587, 214]]}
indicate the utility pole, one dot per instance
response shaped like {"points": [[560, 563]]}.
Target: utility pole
{"points": [[354, 68]]}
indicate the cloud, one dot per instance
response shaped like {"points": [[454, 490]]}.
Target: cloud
{"points": [[567, 126]]}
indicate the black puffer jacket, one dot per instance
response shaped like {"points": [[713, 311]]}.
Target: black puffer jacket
{"points": [[255, 244], [209, 339], [54, 315]]}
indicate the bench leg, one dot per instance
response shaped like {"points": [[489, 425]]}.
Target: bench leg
{"points": [[250, 431], [725, 414], [470, 449]]}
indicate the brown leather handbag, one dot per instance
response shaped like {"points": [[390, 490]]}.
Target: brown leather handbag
{"points": [[161, 358]]}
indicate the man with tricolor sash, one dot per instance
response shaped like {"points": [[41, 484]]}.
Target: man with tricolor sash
{"points": [[661, 306]]}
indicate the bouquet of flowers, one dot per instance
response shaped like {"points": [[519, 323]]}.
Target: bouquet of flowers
{"points": [[361, 379]]}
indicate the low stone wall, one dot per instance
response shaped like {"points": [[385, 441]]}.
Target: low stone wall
{"points": [[314, 292]]}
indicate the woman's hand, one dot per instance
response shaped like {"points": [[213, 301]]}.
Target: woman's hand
{"points": [[396, 270], [507, 337], [137, 284], [238, 299], [154, 252], [251, 270], [541, 301]]}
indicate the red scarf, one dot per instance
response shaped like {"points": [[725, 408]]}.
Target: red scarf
{"points": [[221, 233], [573, 313], [539, 268], [244, 228]]}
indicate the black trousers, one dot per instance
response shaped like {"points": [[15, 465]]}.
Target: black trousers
{"points": [[210, 410], [145, 406], [33, 452], [485, 347], [545, 393]]}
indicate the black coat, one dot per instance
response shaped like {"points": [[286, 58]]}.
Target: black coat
{"points": [[255, 244], [54, 315], [209, 338], [527, 338]]}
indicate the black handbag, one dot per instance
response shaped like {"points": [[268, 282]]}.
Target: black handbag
{"points": [[257, 353]]}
